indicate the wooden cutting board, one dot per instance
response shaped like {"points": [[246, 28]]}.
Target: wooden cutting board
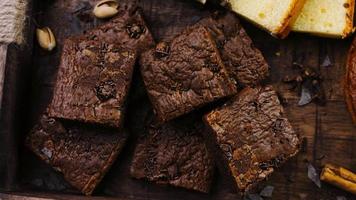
{"points": [[329, 132]]}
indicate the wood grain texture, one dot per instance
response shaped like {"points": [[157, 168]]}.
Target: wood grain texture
{"points": [[328, 130]]}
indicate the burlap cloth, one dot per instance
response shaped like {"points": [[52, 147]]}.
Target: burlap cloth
{"points": [[12, 21]]}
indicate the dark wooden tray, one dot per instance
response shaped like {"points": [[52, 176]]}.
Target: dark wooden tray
{"points": [[329, 132]]}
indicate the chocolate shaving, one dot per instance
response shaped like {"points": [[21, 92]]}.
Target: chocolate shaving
{"points": [[326, 62], [305, 97], [313, 175], [267, 191]]}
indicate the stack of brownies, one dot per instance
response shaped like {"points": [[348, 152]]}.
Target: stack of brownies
{"points": [[82, 132]]}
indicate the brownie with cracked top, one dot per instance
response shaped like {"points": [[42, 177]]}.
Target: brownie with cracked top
{"points": [[82, 154], [96, 70], [185, 74], [244, 62], [128, 29], [174, 154], [251, 136]]}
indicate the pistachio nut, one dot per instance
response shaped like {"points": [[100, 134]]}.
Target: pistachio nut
{"points": [[45, 38], [106, 8]]}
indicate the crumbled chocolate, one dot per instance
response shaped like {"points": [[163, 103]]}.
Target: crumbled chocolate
{"points": [[272, 163], [135, 30], [105, 90], [162, 49], [308, 84]]}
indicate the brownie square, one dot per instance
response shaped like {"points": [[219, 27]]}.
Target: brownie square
{"points": [[128, 29], [82, 154], [244, 62], [96, 70], [251, 136], [174, 154], [185, 74]]}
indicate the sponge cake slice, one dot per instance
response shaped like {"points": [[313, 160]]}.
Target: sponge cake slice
{"points": [[272, 15], [330, 18]]}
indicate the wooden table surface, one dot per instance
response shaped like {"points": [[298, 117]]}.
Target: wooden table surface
{"points": [[329, 132]]}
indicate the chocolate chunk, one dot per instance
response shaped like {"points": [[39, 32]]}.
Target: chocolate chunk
{"points": [[162, 49], [106, 90], [135, 30]]}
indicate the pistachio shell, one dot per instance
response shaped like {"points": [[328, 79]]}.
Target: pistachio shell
{"points": [[45, 38], [106, 9], [111, 3]]}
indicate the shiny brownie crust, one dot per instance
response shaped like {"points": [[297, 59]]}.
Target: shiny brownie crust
{"points": [[174, 154], [251, 136], [96, 70], [185, 74], [82, 154], [244, 62]]}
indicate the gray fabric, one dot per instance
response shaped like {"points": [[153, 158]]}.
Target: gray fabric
{"points": [[12, 20], [3, 50]]}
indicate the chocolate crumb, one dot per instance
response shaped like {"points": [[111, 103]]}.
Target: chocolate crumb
{"points": [[308, 84]]}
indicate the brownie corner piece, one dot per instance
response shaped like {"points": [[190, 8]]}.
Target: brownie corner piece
{"points": [[185, 74], [251, 136], [174, 154], [82, 154], [128, 28], [93, 81], [243, 61]]}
